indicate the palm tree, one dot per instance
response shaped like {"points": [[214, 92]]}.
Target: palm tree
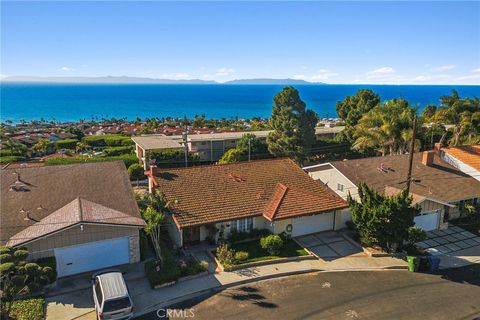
{"points": [[386, 128]]}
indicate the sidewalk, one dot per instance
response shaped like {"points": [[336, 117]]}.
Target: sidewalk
{"points": [[147, 300]]}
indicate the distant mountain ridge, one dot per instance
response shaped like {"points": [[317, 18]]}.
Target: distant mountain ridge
{"points": [[140, 80], [270, 81]]}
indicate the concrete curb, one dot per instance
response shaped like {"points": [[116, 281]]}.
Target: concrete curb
{"points": [[219, 288]]}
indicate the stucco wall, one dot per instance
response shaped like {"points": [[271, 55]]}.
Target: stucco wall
{"points": [[74, 236], [332, 177]]}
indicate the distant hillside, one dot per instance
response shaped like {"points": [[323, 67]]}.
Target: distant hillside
{"points": [[108, 79], [271, 81]]}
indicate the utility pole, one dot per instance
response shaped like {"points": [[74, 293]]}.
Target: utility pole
{"points": [[249, 148], [185, 141], [412, 150]]}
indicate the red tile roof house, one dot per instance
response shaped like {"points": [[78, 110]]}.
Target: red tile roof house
{"points": [[464, 158], [438, 187], [273, 194], [83, 214]]}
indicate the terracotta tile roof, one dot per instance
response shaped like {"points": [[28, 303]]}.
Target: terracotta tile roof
{"points": [[276, 188], [440, 181], [470, 155], [39, 192], [77, 211]]}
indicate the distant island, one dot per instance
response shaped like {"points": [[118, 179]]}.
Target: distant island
{"points": [[140, 80]]}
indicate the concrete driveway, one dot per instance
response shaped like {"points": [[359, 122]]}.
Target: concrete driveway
{"points": [[73, 305], [328, 245], [456, 246]]}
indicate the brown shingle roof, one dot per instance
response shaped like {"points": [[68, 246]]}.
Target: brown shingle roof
{"points": [[440, 181], [276, 188], [470, 155], [42, 191]]}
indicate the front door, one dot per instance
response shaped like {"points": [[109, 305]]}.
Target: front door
{"points": [[191, 235]]}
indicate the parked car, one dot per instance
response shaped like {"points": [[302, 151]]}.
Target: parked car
{"points": [[111, 296]]}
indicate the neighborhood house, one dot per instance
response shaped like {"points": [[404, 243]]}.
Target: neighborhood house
{"points": [[437, 187], [214, 200], [85, 215], [464, 158]]}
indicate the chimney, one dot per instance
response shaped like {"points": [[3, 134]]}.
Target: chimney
{"points": [[427, 158], [151, 178]]}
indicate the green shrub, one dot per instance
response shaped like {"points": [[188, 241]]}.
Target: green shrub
{"points": [[136, 172], [225, 255], [48, 262], [28, 309], [416, 234], [241, 256], [8, 159], [67, 144], [116, 151], [272, 243], [203, 265], [236, 236], [171, 158], [111, 140], [128, 159], [5, 152]]}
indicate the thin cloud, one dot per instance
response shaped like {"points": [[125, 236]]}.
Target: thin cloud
{"points": [[222, 72], [443, 68], [380, 72], [476, 70], [322, 75], [66, 69]]}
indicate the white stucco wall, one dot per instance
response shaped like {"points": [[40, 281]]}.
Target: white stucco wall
{"points": [[332, 177]]}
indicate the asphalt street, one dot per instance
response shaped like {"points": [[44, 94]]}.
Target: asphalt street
{"points": [[454, 294]]}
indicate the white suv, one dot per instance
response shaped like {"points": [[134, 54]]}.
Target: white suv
{"points": [[111, 296]]}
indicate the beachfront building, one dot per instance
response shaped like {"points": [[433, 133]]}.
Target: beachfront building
{"points": [[209, 146]]}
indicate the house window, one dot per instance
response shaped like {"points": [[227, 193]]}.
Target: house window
{"points": [[204, 143], [340, 187], [241, 225]]}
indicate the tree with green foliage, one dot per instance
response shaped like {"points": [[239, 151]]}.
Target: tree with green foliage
{"points": [[67, 144], [136, 172], [464, 115], [386, 128], [383, 220], [154, 209], [232, 156], [42, 146], [18, 277], [258, 147], [351, 110], [293, 126], [80, 146], [272, 243]]}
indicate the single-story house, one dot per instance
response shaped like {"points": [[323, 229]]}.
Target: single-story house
{"points": [[437, 186], [83, 214], [263, 194], [464, 158]]}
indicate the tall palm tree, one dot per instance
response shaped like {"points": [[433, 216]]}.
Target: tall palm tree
{"points": [[386, 128]]}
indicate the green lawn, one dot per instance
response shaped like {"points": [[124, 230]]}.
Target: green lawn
{"points": [[28, 309], [256, 253]]}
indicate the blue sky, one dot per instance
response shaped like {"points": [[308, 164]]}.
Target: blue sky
{"points": [[342, 42]]}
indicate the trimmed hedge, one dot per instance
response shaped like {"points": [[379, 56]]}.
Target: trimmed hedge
{"points": [[171, 158], [8, 159], [111, 140], [5, 152], [128, 159], [28, 309], [116, 151], [67, 144]]}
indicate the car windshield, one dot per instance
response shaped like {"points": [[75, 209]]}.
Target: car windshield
{"points": [[117, 304]]}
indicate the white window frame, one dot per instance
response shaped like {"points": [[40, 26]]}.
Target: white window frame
{"points": [[242, 225]]}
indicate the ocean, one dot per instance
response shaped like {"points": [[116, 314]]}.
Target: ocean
{"points": [[72, 102]]}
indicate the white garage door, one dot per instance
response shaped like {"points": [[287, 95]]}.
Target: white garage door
{"points": [[91, 256], [312, 224]]}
